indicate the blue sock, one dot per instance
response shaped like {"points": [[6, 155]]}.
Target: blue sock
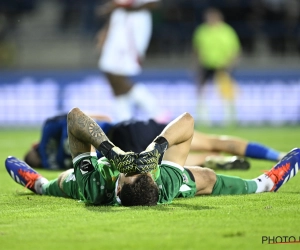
{"points": [[258, 151]]}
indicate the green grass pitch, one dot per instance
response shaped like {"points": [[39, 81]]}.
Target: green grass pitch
{"points": [[29, 221]]}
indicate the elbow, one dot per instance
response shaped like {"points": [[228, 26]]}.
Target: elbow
{"points": [[72, 114]]}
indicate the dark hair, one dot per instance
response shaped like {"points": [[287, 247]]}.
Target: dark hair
{"points": [[142, 192], [32, 158]]}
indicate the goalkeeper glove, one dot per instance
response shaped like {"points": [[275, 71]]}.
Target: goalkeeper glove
{"points": [[125, 162], [148, 159]]}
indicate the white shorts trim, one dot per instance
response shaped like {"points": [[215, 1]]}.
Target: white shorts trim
{"points": [[184, 188], [173, 164], [83, 155]]}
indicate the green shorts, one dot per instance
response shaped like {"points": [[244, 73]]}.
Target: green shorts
{"points": [[173, 181], [188, 188]]}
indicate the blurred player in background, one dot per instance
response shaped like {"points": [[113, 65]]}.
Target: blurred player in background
{"points": [[52, 151], [123, 43], [217, 47]]}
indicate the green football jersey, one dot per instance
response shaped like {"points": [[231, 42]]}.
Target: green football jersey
{"points": [[97, 186]]}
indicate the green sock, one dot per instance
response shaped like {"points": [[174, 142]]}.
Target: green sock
{"points": [[233, 185], [52, 188]]}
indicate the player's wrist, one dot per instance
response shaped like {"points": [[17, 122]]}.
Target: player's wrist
{"points": [[105, 147], [162, 143]]}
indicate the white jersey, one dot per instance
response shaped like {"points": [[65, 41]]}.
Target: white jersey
{"points": [[127, 39], [134, 3]]}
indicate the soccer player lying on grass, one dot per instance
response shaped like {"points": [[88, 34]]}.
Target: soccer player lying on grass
{"points": [[143, 180], [52, 151]]}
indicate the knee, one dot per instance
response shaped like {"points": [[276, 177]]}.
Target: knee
{"points": [[72, 114], [188, 123], [63, 176], [206, 182], [210, 176], [188, 118]]}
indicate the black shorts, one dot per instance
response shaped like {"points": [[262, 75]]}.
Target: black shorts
{"points": [[135, 135]]}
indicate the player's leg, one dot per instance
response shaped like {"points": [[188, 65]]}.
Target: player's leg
{"points": [[281, 173], [121, 87], [63, 186], [24, 175], [199, 159], [127, 95], [217, 161], [227, 89], [119, 84], [206, 152], [207, 182], [233, 145], [179, 134], [205, 75], [173, 143], [223, 162], [114, 63]]}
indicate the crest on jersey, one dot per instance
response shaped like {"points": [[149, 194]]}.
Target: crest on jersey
{"points": [[185, 178]]}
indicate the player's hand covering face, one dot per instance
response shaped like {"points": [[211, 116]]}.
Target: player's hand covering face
{"points": [[148, 159], [130, 162], [125, 162]]}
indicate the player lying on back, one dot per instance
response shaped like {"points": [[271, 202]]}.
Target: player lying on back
{"points": [[52, 151]]}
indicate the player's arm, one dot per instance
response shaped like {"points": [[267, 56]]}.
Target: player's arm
{"points": [[85, 135]]}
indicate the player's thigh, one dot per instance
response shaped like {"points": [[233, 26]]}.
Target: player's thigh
{"points": [[177, 153], [198, 159], [213, 143], [205, 179], [202, 142]]}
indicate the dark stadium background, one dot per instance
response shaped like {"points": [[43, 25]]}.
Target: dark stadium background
{"points": [[48, 60]]}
